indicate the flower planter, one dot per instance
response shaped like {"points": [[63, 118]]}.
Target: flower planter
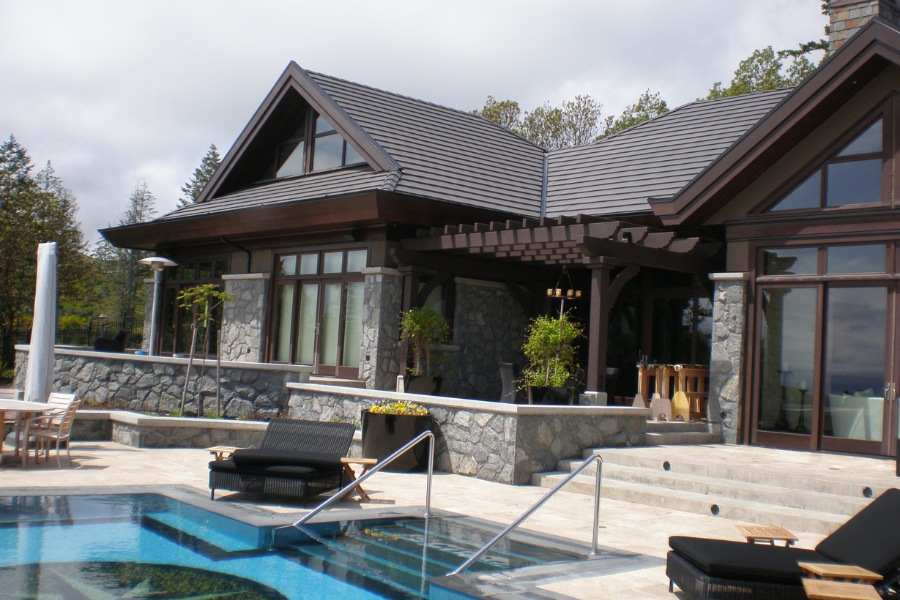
{"points": [[384, 434]]}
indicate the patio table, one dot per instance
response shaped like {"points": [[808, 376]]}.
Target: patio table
{"points": [[24, 412]]}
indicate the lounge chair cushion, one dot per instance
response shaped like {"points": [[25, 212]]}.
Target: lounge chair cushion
{"points": [[258, 457], [868, 539], [728, 559]]}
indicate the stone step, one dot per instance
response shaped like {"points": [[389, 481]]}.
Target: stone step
{"points": [[675, 438], [789, 497], [794, 519], [677, 427]]}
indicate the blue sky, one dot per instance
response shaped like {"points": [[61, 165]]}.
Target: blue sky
{"points": [[113, 92]]}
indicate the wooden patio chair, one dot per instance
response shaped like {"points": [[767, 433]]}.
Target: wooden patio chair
{"points": [[55, 425]]}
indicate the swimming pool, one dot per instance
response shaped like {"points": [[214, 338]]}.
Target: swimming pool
{"points": [[154, 546]]}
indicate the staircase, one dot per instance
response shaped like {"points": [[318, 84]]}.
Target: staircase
{"points": [[732, 482], [662, 433]]}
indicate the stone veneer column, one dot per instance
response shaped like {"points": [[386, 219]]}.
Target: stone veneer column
{"points": [[379, 362], [244, 320], [729, 339]]}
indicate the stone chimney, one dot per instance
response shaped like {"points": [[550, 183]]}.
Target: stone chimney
{"points": [[848, 16]]}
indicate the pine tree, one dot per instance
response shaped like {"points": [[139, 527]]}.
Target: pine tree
{"points": [[201, 176]]}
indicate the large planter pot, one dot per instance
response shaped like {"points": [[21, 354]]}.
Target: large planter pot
{"points": [[549, 395], [382, 435]]}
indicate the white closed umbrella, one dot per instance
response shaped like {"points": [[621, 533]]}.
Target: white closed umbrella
{"points": [[39, 377]]}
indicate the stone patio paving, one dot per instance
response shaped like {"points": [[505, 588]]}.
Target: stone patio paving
{"points": [[624, 526]]}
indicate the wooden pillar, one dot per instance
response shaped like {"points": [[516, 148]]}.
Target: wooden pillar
{"points": [[601, 303]]}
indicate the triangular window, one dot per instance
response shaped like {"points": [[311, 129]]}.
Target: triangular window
{"points": [[312, 145], [852, 176]]}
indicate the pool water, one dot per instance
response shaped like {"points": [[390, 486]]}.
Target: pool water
{"points": [[152, 546]]}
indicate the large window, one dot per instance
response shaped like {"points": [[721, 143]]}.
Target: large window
{"points": [[318, 310], [851, 176], [312, 144]]}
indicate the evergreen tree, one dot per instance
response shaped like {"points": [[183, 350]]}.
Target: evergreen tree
{"points": [[33, 209], [202, 174], [123, 277]]}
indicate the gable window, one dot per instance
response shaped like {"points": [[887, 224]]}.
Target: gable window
{"points": [[312, 145], [851, 176]]}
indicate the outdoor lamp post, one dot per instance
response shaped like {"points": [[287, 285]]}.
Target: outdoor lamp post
{"points": [[157, 264]]}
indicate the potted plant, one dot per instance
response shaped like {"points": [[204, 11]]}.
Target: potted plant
{"points": [[387, 425], [423, 329], [550, 351]]}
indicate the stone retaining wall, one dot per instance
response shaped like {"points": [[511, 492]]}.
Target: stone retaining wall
{"points": [[153, 384], [489, 440]]}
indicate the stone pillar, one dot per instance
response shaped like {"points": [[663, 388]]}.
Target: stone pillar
{"points": [[729, 341], [379, 354], [848, 16], [244, 320]]}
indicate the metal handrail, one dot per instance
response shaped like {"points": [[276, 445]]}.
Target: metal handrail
{"points": [[500, 536], [354, 484]]}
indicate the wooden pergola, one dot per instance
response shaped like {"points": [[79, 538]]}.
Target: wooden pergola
{"points": [[602, 246]]}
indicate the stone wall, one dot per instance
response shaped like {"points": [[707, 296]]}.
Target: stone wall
{"points": [[727, 360], [153, 384], [494, 441], [379, 352], [488, 328], [243, 321]]}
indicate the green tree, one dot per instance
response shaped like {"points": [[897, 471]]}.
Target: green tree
{"points": [[32, 212], [191, 190], [647, 107], [505, 113], [573, 123], [122, 273]]}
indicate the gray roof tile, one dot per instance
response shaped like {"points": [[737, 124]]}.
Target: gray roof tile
{"points": [[656, 159]]}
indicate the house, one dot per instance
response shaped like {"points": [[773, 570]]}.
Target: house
{"points": [[756, 234]]}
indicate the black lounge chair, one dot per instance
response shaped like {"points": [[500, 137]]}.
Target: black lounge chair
{"points": [[707, 568], [295, 458]]}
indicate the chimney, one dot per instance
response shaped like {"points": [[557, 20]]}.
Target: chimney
{"points": [[848, 16]]}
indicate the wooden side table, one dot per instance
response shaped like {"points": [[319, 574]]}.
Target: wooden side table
{"points": [[367, 463], [221, 452], [766, 533], [833, 572], [823, 589]]}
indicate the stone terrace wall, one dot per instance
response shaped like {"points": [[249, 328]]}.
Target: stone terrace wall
{"points": [[154, 384], [489, 440]]}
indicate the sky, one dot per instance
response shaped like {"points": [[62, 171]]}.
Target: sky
{"points": [[116, 92]]}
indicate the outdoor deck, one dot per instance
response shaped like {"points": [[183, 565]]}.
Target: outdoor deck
{"points": [[625, 526]]}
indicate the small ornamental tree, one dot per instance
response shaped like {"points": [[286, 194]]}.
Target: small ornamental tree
{"points": [[550, 350], [202, 300], [423, 328]]}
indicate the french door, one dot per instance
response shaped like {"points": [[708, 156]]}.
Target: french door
{"points": [[826, 369], [327, 326]]}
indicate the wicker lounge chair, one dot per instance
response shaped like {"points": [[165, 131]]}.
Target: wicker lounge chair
{"points": [[707, 568], [295, 458]]}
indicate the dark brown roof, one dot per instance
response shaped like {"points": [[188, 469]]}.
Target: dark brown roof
{"points": [[655, 159], [443, 153]]}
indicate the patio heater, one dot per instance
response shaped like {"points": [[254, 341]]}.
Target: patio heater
{"points": [[157, 264]]}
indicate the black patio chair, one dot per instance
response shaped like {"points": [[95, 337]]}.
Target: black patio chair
{"points": [[707, 568], [295, 458], [113, 344]]}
